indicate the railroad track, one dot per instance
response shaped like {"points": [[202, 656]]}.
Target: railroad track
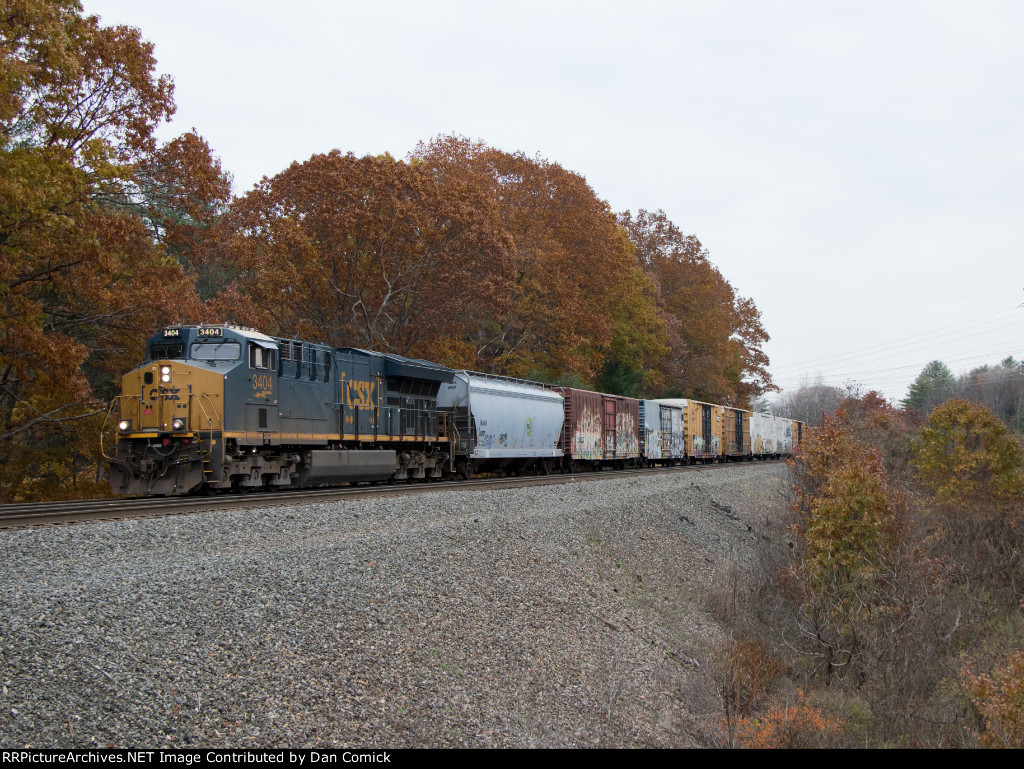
{"points": [[81, 511]]}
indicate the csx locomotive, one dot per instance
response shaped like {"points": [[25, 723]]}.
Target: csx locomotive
{"points": [[216, 407]]}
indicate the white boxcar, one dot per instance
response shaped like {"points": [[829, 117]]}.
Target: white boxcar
{"points": [[783, 436], [676, 408], [502, 423], [762, 434], [670, 419], [650, 427], [675, 442]]}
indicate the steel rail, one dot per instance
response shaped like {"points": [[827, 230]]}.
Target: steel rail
{"points": [[19, 516]]}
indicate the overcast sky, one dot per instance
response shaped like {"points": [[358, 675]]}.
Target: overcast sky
{"points": [[857, 168]]}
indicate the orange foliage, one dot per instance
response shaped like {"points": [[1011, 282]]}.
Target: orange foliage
{"points": [[575, 275], [855, 578], [854, 520], [714, 335], [370, 252], [999, 697], [83, 278], [746, 670], [966, 456], [788, 726]]}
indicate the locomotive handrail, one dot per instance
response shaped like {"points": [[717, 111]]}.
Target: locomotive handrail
{"points": [[402, 422], [510, 379], [115, 403], [206, 450], [457, 442]]}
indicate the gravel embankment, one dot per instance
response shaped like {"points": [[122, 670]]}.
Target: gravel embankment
{"points": [[558, 616]]}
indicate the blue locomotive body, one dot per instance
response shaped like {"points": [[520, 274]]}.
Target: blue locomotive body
{"points": [[219, 407]]}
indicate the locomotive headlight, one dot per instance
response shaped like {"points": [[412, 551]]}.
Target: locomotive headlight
{"points": [[178, 424], [165, 373], [124, 425]]}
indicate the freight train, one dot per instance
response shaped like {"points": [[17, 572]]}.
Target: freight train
{"points": [[219, 407]]}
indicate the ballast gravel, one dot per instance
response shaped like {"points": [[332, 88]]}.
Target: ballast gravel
{"points": [[568, 615]]}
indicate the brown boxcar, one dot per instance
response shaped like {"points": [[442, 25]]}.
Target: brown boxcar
{"points": [[600, 430]]}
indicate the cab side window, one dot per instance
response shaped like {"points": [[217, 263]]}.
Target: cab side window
{"points": [[261, 358]]}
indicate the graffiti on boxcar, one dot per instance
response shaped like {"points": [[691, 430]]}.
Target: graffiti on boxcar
{"points": [[625, 435], [587, 440], [677, 443], [655, 444]]}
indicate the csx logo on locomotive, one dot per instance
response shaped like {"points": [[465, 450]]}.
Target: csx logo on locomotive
{"points": [[355, 392], [168, 393]]}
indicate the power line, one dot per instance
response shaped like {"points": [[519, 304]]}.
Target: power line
{"points": [[991, 377], [985, 355], [937, 333]]}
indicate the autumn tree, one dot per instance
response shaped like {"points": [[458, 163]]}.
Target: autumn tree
{"points": [[999, 698], [370, 252], [179, 191], [854, 529], [715, 336], [83, 279], [966, 456], [787, 726], [579, 304], [970, 468], [874, 421], [745, 670], [869, 583]]}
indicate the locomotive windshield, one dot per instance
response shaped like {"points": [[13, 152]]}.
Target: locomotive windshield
{"points": [[166, 351], [215, 351]]}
